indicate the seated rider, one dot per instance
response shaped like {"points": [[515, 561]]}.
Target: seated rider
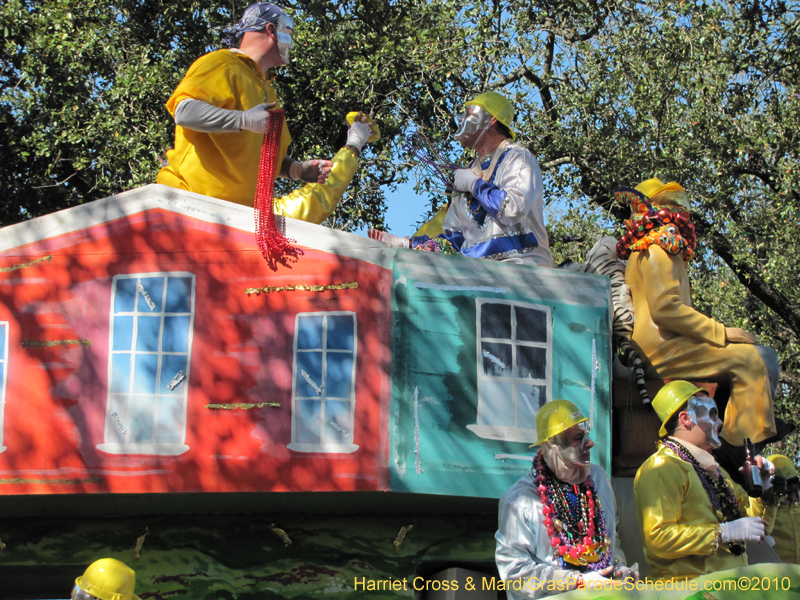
{"points": [[499, 213]]}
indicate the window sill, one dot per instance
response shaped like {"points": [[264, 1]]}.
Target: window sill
{"points": [[324, 448], [506, 434], [154, 449]]}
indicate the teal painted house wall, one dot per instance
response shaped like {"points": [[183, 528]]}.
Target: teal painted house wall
{"points": [[441, 306]]}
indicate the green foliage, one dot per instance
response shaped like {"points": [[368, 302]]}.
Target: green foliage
{"points": [[607, 92]]}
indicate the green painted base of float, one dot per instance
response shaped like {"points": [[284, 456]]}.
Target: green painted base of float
{"points": [[222, 557]]}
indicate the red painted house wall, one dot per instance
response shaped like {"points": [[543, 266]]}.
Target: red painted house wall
{"points": [[242, 352]]}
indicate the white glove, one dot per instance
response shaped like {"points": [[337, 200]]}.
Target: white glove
{"points": [[387, 238], [746, 529], [464, 180], [255, 119], [358, 134], [593, 579]]}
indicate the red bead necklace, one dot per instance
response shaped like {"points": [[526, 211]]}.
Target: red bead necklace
{"points": [[274, 246], [578, 535]]}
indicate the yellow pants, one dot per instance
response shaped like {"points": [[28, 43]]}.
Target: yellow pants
{"points": [[749, 412]]}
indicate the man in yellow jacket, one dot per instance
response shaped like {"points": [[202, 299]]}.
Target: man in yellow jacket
{"points": [[674, 340], [694, 519], [221, 109]]}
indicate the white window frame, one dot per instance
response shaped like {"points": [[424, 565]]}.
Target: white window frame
{"points": [[149, 448], [4, 371], [326, 447], [511, 433]]}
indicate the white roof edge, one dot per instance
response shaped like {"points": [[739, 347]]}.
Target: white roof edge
{"points": [[197, 206]]}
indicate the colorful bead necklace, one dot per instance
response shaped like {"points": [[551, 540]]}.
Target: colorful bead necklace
{"points": [[577, 530], [720, 494]]}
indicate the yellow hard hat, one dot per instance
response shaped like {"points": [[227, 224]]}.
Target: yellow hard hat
{"points": [[664, 193], [784, 467], [670, 398], [555, 417], [498, 106], [108, 579]]}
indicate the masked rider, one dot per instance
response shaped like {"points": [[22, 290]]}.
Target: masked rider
{"points": [[499, 213], [106, 579], [694, 518], [557, 524], [221, 110]]}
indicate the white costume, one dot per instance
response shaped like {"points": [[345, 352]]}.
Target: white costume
{"points": [[505, 219], [523, 544]]}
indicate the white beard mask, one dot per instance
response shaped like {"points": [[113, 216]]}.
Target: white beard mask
{"points": [[702, 412], [565, 462]]}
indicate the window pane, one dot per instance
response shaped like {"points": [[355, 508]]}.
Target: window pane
{"points": [[147, 334], [117, 418], [309, 333], [308, 421], [142, 410], [120, 373], [171, 365], [125, 297], [337, 422], [531, 325], [497, 403], [179, 292], [496, 359], [2, 341], [123, 333], [531, 399], [340, 332], [496, 321], [144, 373], [176, 334], [170, 419], [531, 362], [309, 374], [154, 286], [339, 374]]}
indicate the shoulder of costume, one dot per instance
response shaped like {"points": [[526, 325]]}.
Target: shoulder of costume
{"points": [[522, 490], [598, 473]]}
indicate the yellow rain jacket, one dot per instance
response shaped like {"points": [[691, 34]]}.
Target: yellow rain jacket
{"points": [[225, 165], [678, 521]]}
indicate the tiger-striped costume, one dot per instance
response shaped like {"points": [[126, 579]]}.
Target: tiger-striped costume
{"points": [[602, 260]]}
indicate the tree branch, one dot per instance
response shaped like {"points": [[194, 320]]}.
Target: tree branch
{"points": [[748, 276]]}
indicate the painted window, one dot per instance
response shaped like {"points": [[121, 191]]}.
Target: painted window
{"points": [[3, 376], [323, 391], [514, 368], [152, 316]]}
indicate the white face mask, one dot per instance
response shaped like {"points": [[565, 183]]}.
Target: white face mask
{"points": [[285, 31], [472, 120], [702, 412]]}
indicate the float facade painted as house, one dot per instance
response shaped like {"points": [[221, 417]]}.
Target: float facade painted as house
{"points": [[147, 347]]}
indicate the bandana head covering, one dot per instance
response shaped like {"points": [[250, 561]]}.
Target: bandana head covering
{"points": [[255, 18]]}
